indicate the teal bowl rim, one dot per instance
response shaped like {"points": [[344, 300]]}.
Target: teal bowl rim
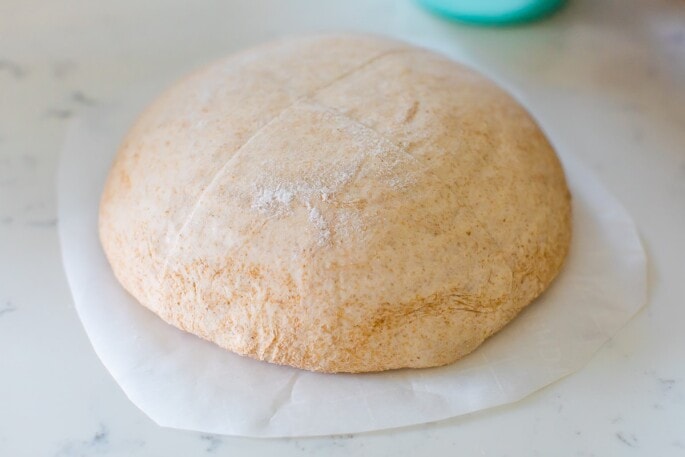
{"points": [[520, 15]]}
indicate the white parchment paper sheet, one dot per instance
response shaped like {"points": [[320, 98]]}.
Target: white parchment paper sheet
{"points": [[184, 382]]}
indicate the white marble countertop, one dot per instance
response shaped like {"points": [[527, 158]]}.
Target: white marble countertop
{"points": [[609, 74]]}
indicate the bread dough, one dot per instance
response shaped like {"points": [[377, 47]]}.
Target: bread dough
{"points": [[336, 203]]}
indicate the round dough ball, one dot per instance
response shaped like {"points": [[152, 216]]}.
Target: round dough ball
{"points": [[338, 204]]}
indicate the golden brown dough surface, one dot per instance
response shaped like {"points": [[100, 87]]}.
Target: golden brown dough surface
{"points": [[337, 203]]}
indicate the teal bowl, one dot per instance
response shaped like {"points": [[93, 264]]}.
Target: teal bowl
{"points": [[493, 12]]}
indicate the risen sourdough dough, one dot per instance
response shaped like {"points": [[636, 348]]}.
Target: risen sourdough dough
{"points": [[338, 204]]}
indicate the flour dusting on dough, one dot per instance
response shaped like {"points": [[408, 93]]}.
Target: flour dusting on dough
{"points": [[321, 225], [320, 186]]}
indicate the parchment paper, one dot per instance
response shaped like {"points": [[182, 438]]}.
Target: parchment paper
{"points": [[181, 381]]}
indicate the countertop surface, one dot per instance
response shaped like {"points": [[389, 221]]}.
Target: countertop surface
{"points": [[607, 75]]}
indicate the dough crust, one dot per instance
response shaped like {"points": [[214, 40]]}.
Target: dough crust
{"points": [[337, 203]]}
